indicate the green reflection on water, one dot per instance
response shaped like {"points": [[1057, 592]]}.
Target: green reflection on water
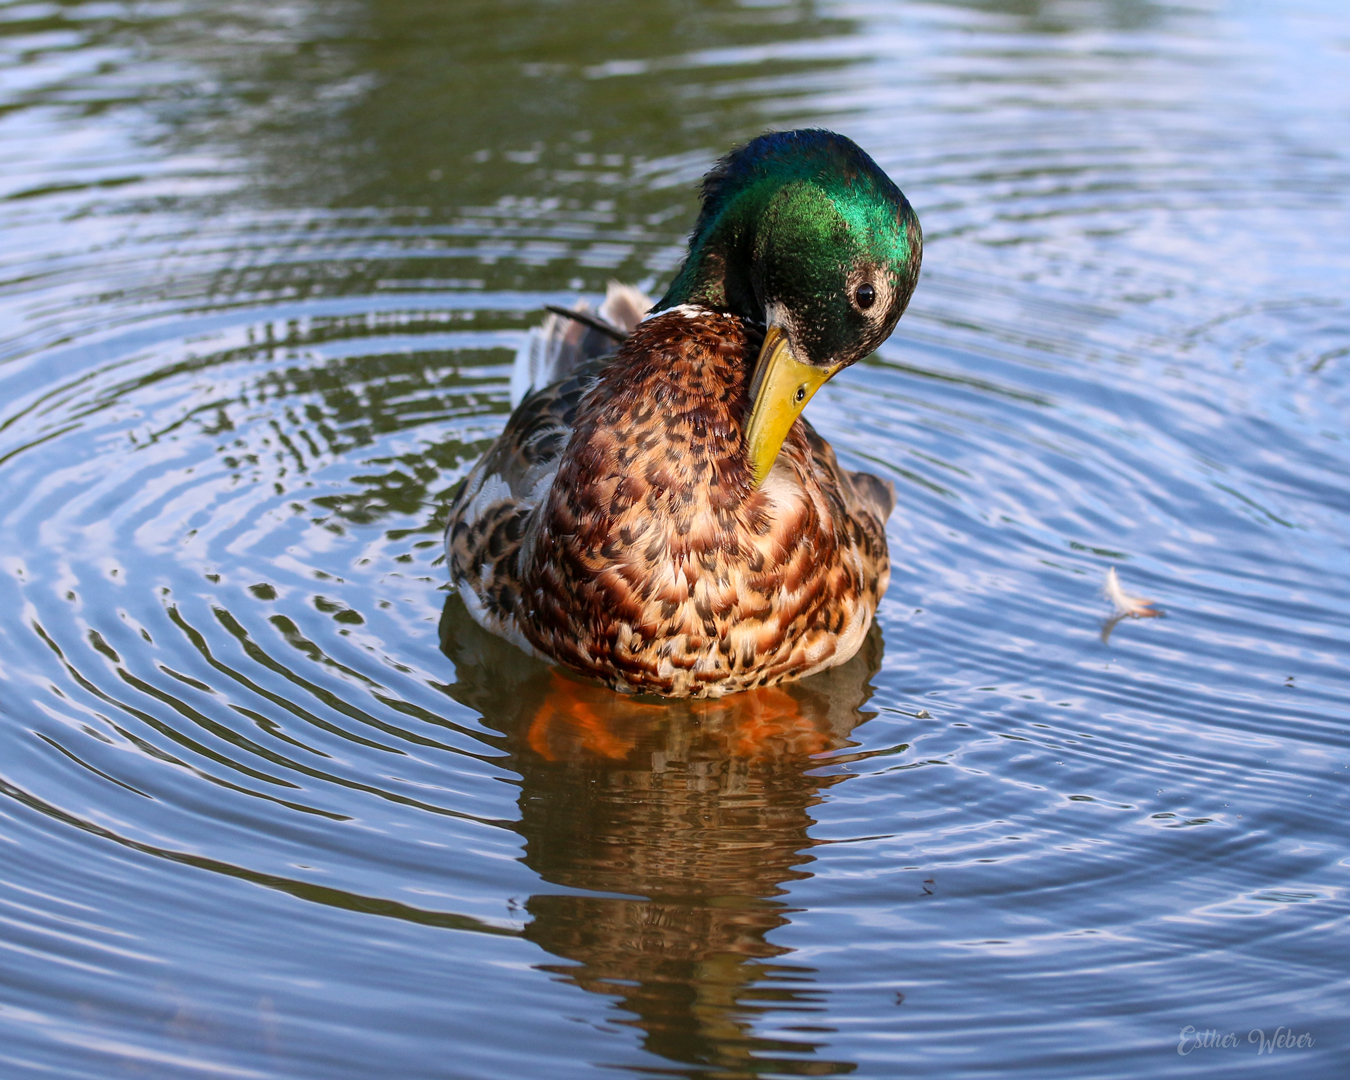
{"points": [[424, 104]]}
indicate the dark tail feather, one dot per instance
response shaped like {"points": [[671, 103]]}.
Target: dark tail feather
{"points": [[554, 350]]}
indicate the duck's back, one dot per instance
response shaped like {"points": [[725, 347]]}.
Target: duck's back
{"points": [[614, 526]]}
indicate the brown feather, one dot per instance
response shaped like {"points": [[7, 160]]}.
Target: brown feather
{"points": [[649, 560]]}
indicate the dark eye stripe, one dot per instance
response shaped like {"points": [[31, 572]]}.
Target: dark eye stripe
{"points": [[865, 295]]}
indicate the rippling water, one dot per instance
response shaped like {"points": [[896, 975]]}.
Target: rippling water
{"points": [[273, 808]]}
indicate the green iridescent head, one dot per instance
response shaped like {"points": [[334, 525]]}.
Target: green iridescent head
{"points": [[803, 232], [804, 225]]}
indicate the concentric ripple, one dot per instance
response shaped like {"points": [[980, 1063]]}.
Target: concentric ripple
{"points": [[274, 807]]}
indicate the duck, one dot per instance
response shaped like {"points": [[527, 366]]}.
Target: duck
{"points": [[657, 515]]}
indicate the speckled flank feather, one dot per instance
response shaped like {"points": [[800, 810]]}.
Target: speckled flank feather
{"points": [[614, 528], [497, 503]]}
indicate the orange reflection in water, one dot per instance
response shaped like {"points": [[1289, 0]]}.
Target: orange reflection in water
{"points": [[578, 719]]}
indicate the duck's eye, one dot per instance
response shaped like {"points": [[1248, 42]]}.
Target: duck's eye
{"points": [[865, 295]]}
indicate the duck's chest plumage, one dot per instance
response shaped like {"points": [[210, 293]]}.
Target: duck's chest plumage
{"points": [[615, 526]]}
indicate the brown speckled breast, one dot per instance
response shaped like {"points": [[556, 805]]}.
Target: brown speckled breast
{"points": [[648, 560]]}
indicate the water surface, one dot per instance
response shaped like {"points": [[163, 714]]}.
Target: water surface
{"points": [[274, 808]]}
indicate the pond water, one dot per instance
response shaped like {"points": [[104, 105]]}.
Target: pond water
{"points": [[273, 809]]}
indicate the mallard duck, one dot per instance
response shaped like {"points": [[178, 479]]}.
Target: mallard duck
{"points": [[661, 519]]}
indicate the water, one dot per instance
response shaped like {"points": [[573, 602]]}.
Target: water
{"points": [[272, 809]]}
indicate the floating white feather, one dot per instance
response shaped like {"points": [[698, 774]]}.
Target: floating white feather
{"points": [[1127, 605], [1136, 607]]}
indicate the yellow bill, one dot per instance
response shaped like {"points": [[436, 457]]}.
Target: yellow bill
{"points": [[781, 388]]}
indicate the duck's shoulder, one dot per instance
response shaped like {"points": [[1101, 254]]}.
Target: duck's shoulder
{"points": [[683, 358], [688, 328], [861, 494]]}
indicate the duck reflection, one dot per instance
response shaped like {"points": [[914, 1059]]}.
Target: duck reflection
{"points": [[696, 814]]}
